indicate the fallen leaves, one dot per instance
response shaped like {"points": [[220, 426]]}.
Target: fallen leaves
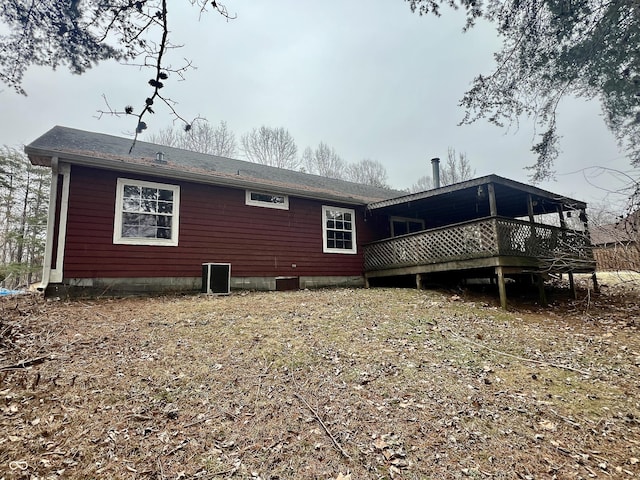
{"points": [[330, 384]]}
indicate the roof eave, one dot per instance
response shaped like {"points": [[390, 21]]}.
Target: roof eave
{"points": [[43, 158], [496, 179]]}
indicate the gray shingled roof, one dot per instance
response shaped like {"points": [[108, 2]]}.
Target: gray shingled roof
{"points": [[624, 231], [111, 152]]}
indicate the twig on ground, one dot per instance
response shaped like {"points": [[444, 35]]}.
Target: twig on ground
{"points": [[326, 429], [25, 363], [539, 362], [179, 447], [566, 419]]}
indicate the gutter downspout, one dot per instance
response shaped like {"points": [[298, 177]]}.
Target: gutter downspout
{"points": [[51, 219]]}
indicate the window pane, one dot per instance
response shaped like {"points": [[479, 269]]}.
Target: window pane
{"points": [[347, 217], [130, 219], [149, 193], [163, 221], [399, 228], [148, 206], [165, 207], [147, 231], [164, 233], [131, 191], [131, 204], [331, 224], [415, 227], [165, 195], [267, 198], [146, 226]]}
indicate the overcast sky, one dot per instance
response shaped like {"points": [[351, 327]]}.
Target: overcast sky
{"points": [[370, 79]]}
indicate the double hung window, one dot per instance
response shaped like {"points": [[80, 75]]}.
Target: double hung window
{"points": [[338, 230], [146, 213]]}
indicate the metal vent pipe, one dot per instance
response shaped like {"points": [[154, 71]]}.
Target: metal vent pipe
{"points": [[435, 167]]}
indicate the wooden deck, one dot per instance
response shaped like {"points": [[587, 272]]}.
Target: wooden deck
{"points": [[513, 245]]}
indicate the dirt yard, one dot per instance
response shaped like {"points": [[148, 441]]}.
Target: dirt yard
{"points": [[328, 384]]}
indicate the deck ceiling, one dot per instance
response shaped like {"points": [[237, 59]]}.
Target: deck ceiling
{"points": [[470, 200]]}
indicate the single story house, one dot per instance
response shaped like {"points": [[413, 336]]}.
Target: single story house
{"points": [[147, 221]]}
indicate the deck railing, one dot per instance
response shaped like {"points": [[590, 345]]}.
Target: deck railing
{"points": [[553, 248]]}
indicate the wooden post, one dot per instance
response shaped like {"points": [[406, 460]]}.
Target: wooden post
{"points": [[493, 206], [532, 241], [596, 288], [366, 282], [572, 286], [530, 208], [419, 281], [501, 288], [543, 295], [563, 223]]}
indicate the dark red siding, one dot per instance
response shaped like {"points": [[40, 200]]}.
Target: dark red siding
{"points": [[215, 226]]}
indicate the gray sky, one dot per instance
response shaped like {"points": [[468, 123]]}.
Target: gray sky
{"points": [[370, 79]]}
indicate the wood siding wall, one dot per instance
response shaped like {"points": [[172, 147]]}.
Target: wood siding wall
{"points": [[617, 257], [215, 226]]}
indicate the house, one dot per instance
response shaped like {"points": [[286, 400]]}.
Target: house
{"points": [[615, 245], [122, 223]]}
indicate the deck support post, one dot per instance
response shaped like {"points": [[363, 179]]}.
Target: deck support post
{"points": [[543, 295], [366, 282], [572, 286], [563, 222], [419, 281], [493, 207], [532, 218], [594, 279], [501, 288]]}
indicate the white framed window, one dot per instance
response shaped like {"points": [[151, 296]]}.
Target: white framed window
{"points": [[338, 230], [266, 199], [146, 213], [403, 226]]}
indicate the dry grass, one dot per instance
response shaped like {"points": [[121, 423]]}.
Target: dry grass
{"points": [[377, 383]]}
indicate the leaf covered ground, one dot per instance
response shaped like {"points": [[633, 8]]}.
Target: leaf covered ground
{"points": [[327, 384]]}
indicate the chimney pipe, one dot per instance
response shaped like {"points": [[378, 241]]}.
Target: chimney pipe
{"points": [[160, 158], [435, 167]]}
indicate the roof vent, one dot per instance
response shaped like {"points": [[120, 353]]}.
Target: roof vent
{"points": [[435, 168], [160, 158]]}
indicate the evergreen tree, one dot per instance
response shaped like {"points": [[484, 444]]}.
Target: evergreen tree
{"points": [[24, 198]]}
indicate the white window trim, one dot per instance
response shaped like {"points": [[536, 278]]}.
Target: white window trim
{"points": [[117, 224], [325, 249], [257, 203], [404, 219]]}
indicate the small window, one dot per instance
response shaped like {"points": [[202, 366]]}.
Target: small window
{"points": [[146, 213], [338, 230], [403, 226], [267, 200]]}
